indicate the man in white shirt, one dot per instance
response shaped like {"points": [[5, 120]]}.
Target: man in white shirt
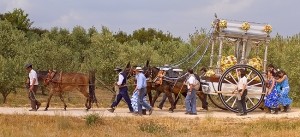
{"points": [[190, 100], [33, 86], [242, 92]]}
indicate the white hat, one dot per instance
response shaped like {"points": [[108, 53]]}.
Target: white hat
{"points": [[138, 69]]}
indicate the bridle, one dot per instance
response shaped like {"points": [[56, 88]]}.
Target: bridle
{"points": [[50, 79]]}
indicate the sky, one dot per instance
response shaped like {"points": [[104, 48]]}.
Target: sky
{"points": [[179, 17]]}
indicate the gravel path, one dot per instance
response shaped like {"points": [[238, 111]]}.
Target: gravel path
{"points": [[123, 112]]}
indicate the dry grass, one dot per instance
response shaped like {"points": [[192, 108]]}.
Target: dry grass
{"points": [[53, 126]]}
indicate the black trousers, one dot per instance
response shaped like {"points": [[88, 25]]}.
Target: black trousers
{"points": [[242, 103], [123, 94]]}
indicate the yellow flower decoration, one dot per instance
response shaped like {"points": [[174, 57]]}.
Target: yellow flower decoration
{"points": [[256, 63], [268, 28], [227, 62], [210, 73], [245, 26], [223, 24]]}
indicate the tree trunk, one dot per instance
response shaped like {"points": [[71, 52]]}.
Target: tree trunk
{"points": [[4, 97]]}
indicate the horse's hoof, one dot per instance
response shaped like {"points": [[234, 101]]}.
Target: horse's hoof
{"points": [[45, 109], [171, 111]]}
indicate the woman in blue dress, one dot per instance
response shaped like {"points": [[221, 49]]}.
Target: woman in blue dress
{"points": [[271, 101], [284, 98]]}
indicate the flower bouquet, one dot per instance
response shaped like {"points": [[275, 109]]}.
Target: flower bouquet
{"points": [[268, 28], [245, 26], [223, 24]]}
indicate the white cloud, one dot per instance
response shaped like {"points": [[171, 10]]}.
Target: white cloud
{"points": [[228, 6], [67, 19], [9, 5]]}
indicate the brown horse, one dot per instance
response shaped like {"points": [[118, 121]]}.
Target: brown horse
{"points": [[62, 82], [176, 86], [42, 75]]}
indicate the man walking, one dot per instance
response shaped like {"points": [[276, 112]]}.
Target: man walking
{"points": [[190, 100], [33, 86], [141, 87], [123, 91]]}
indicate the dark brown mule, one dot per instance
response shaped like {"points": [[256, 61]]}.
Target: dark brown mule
{"points": [[177, 87], [59, 82], [42, 75], [131, 73], [151, 75]]}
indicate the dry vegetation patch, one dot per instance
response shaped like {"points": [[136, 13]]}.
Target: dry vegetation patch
{"points": [[48, 126]]}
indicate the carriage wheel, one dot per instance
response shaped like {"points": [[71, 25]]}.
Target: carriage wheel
{"points": [[255, 86], [215, 99]]}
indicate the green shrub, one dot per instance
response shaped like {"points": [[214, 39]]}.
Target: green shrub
{"points": [[93, 119]]}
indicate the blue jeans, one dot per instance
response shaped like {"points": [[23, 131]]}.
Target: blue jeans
{"points": [[190, 102], [142, 94]]}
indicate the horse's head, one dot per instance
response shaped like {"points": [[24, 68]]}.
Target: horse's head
{"points": [[41, 75], [129, 72], [49, 77]]}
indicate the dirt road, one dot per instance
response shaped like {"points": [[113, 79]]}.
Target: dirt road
{"points": [[123, 112]]}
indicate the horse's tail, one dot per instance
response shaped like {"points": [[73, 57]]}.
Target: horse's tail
{"points": [[92, 79]]}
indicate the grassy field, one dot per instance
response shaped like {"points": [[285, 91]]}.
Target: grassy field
{"points": [[95, 125]]}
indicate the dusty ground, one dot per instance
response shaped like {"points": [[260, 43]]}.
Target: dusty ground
{"points": [[123, 112]]}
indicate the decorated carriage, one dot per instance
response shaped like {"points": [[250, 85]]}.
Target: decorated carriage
{"points": [[221, 78], [220, 81]]}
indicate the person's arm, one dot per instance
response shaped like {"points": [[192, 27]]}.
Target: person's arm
{"points": [[33, 82], [271, 87], [139, 82], [120, 80], [191, 83], [281, 79]]}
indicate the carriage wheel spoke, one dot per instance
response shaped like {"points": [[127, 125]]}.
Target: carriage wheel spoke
{"points": [[228, 81], [252, 79], [233, 78], [251, 101], [254, 84], [249, 74], [233, 102], [229, 98]]}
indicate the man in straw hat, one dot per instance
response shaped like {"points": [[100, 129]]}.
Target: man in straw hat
{"points": [[123, 91], [33, 86], [141, 87]]}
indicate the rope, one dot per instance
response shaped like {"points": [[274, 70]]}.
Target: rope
{"points": [[201, 57], [188, 57], [197, 63], [105, 86]]}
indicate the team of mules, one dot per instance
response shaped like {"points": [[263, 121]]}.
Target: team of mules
{"points": [[159, 82], [61, 82]]}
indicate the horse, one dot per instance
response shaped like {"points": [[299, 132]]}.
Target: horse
{"points": [[176, 86], [130, 71], [41, 76], [64, 81]]}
